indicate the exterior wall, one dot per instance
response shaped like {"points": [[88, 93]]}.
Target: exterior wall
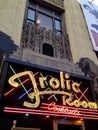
{"points": [[56, 63], [11, 18], [80, 43]]}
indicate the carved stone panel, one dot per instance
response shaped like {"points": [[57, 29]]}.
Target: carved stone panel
{"points": [[34, 37]]}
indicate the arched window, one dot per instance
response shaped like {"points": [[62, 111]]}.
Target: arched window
{"points": [[47, 50]]}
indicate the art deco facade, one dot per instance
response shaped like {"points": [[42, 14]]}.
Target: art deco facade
{"points": [[49, 33]]}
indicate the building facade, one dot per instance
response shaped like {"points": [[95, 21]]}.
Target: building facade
{"points": [[53, 35]]}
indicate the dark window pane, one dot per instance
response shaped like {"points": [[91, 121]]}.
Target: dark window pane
{"points": [[32, 4], [31, 14], [57, 15], [45, 21], [47, 49], [45, 10]]}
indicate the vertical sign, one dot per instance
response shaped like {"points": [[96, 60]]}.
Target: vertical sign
{"points": [[90, 10]]}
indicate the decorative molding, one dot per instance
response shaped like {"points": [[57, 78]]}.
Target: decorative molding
{"points": [[51, 62], [58, 3]]}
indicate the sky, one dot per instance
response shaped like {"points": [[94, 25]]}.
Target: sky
{"points": [[94, 1]]}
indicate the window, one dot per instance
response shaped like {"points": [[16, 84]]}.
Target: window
{"points": [[45, 21], [58, 25], [31, 15], [44, 16], [47, 49]]}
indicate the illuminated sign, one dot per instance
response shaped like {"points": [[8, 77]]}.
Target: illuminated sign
{"points": [[41, 91], [90, 11]]}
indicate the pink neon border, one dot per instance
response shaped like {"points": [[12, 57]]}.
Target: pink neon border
{"points": [[84, 115]]}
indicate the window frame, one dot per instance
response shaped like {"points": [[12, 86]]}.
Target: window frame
{"points": [[28, 19], [53, 15], [68, 122]]}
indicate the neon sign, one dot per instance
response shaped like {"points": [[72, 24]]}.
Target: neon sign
{"points": [[63, 109], [40, 91], [54, 83]]}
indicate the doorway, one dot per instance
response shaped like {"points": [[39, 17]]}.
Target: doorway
{"points": [[68, 125]]}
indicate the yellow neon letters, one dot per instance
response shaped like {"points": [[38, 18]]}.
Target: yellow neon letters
{"points": [[65, 84]]}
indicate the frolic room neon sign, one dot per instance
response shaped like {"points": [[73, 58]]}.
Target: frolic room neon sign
{"points": [[54, 83], [39, 91]]}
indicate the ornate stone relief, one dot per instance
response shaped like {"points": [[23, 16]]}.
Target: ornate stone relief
{"points": [[34, 37]]}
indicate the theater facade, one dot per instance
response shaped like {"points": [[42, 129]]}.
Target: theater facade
{"points": [[48, 65]]}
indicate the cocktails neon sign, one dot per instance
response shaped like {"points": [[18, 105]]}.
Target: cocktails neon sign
{"points": [[40, 91]]}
